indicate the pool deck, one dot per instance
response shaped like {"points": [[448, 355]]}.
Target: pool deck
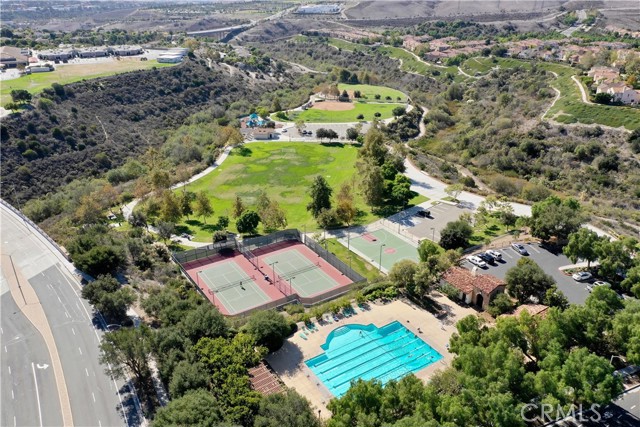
{"points": [[288, 362]]}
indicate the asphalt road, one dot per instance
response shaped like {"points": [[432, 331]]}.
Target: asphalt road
{"points": [[575, 292], [95, 398], [27, 376]]}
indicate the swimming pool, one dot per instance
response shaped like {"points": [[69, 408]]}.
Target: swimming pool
{"points": [[358, 351]]}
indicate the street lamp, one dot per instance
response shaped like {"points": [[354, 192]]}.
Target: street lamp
{"points": [[273, 267], [380, 260]]}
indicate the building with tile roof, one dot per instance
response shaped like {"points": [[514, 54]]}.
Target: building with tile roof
{"points": [[475, 289]]}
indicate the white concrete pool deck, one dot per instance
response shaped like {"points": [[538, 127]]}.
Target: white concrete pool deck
{"points": [[288, 362]]}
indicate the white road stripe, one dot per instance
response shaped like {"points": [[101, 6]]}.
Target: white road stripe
{"points": [[9, 369], [94, 397], [534, 248], [73, 330], [59, 300], [507, 254], [5, 348], [87, 371], [99, 423], [33, 368], [80, 350], [67, 314], [12, 396]]}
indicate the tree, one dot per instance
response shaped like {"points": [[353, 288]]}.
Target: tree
{"points": [[273, 216], [238, 207], [187, 377], [352, 134], [428, 249], [554, 297], [185, 200], [170, 210], [402, 275], [21, 96], [590, 377], [300, 125], [634, 141], [372, 185], [582, 244], [501, 304], [114, 305], [602, 98], [399, 111], [631, 283], [346, 209], [456, 234], [286, 409], [401, 192], [127, 351], [203, 206], [527, 280], [99, 260], [327, 218], [195, 408], [626, 332], [269, 328], [248, 222], [374, 150], [454, 190], [615, 256], [320, 192], [554, 217], [165, 230]]}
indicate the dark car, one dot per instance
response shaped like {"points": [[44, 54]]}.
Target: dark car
{"points": [[424, 213], [485, 256]]}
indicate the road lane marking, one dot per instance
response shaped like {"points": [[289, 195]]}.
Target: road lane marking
{"points": [[94, 397], [73, 330], [80, 350], [67, 314], [9, 369], [33, 369], [99, 423], [87, 371], [59, 299], [1, 331], [5, 348], [534, 248], [12, 396], [507, 254]]}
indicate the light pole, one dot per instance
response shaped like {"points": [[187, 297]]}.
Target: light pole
{"points": [[273, 267], [380, 260], [433, 234]]}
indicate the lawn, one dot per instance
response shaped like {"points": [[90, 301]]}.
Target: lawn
{"points": [[371, 91], [486, 232], [569, 108], [65, 74], [361, 266], [285, 171], [367, 109]]}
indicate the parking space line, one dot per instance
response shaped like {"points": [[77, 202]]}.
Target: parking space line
{"points": [[507, 254], [533, 247]]}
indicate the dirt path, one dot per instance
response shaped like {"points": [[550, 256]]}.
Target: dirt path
{"points": [[585, 99]]}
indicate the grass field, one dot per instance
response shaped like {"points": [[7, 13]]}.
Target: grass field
{"points": [[371, 91], [569, 108], [65, 74], [285, 171], [368, 110]]}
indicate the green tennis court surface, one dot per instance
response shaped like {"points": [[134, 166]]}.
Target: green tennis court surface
{"points": [[394, 248], [233, 287], [305, 276]]}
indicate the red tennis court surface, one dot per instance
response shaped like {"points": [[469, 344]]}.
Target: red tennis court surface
{"points": [[235, 285]]}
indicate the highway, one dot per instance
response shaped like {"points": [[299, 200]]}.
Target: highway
{"points": [[95, 398]]}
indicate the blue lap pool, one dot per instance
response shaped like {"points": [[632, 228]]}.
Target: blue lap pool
{"points": [[367, 352]]}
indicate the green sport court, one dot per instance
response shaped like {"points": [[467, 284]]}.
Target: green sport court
{"points": [[232, 287], [306, 277], [394, 249]]}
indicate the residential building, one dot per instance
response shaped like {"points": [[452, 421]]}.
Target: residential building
{"points": [[93, 52], [620, 92], [12, 57], [604, 74], [57, 54], [125, 50], [474, 288], [264, 134]]}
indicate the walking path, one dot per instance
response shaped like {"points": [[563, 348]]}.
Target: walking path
{"points": [[585, 98]]}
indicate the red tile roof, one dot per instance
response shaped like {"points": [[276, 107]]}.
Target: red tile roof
{"points": [[263, 380], [466, 281], [532, 309]]}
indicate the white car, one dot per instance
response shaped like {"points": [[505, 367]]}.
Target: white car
{"points": [[581, 276], [477, 261], [592, 286], [497, 255]]}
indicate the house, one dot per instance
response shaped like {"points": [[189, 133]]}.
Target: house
{"points": [[620, 92], [57, 54], [93, 52], [476, 289], [12, 57], [264, 134], [125, 50], [604, 74]]}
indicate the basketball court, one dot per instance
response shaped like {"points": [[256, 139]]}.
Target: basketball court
{"points": [[382, 248]]}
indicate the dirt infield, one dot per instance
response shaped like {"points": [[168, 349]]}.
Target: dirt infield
{"points": [[333, 106]]}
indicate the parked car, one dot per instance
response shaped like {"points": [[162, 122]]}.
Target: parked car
{"points": [[487, 257], [519, 247], [581, 276], [186, 236], [477, 261], [592, 286], [424, 213], [497, 255], [284, 131]]}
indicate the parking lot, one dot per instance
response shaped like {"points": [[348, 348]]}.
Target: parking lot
{"points": [[576, 292], [429, 227], [340, 128]]}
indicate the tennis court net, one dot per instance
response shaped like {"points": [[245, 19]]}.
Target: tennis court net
{"points": [[291, 274], [234, 284]]}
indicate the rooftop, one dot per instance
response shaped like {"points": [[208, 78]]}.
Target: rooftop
{"points": [[465, 280]]}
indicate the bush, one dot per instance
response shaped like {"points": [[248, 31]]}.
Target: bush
{"points": [[269, 328], [456, 234], [501, 304]]}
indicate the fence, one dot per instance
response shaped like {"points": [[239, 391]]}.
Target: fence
{"points": [[35, 226], [260, 241], [205, 251], [334, 261]]}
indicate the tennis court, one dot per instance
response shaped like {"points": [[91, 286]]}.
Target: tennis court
{"points": [[305, 276], [381, 247], [232, 286]]}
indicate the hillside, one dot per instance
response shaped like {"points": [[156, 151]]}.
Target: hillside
{"points": [[85, 129]]}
